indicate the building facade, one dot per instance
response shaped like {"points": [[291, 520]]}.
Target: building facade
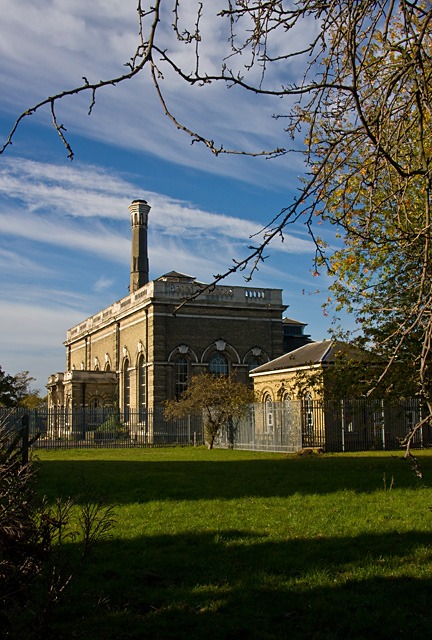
{"points": [[143, 349], [300, 381]]}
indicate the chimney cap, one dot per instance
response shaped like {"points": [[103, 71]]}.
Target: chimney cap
{"points": [[139, 201]]}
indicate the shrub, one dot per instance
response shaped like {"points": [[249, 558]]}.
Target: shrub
{"points": [[113, 425], [35, 569]]}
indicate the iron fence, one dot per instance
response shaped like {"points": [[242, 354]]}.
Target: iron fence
{"points": [[104, 427], [347, 425], [265, 427], [363, 424]]}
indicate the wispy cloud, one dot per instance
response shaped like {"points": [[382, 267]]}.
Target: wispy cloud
{"points": [[94, 238], [32, 337], [20, 264], [102, 284], [70, 206], [70, 40]]}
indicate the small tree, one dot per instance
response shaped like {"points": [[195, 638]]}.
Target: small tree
{"points": [[222, 400]]}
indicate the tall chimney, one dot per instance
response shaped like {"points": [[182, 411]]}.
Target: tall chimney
{"points": [[139, 274]]}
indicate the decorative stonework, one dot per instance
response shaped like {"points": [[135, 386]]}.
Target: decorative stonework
{"points": [[220, 345]]}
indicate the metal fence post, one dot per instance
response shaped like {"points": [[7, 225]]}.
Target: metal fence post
{"points": [[343, 424]]}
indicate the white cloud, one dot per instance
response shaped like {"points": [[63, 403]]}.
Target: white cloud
{"points": [[68, 40], [68, 206], [102, 284], [32, 337], [92, 238], [20, 264]]}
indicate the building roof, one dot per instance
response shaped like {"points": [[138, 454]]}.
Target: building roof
{"points": [[315, 353], [176, 276], [294, 322]]}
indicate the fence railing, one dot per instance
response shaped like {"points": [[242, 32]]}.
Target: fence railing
{"points": [[108, 427], [362, 424], [347, 425]]}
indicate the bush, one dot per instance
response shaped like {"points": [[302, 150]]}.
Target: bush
{"points": [[35, 569], [113, 425]]}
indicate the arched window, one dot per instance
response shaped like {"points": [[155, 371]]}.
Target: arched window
{"points": [[126, 388], [308, 421], [268, 404], [218, 364], [142, 384], [107, 366], [180, 376], [253, 363]]}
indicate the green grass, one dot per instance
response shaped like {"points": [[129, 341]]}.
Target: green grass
{"points": [[227, 544]]}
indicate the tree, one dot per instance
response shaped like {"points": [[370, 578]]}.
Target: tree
{"points": [[26, 396], [357, 91], [221, 399], [8, 392], [354, 373], [15, 391]]}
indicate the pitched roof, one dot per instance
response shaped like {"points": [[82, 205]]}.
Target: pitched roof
{"points": [[309, 354], [295, 322], [176, 276]]}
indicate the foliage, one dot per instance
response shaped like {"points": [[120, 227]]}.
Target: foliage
{"points": [[222, 399], [113, 425], [8, 391], [33, 400], [380, 198], [34, 567], [15, 391], [352, 372]]}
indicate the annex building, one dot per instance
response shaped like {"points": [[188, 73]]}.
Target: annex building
{"points": [[143, 349]]}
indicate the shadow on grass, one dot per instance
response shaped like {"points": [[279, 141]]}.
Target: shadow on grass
{"points": [[232, 585], [126, 482]]}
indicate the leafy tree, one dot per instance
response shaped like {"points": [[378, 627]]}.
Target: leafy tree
{"points": [[354, 97], [16, 391], [390, 296], [8, 391], [379, 196], [22, 382], [221, 399], [33, 400], [352, 373]]}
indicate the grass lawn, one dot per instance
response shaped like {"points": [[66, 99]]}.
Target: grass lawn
{"points": [[246, 545]]}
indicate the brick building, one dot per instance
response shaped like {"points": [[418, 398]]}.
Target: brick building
{"points": [[143, 349]]}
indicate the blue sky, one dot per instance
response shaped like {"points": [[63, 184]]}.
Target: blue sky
{"points": [[64, 226]]}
